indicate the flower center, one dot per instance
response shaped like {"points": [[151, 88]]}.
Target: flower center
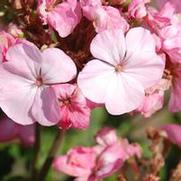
{"points": [[119, 68], [39, 81], [66, 101]]}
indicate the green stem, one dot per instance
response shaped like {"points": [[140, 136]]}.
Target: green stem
{"points": [[51, 155], [36, 151]]}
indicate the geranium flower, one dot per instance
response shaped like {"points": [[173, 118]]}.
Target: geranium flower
{"points": [[61, 16], [25, 92], [6, 41], [74, 110], [97, 162], [78, 162], [122, 70], [103, 17]]}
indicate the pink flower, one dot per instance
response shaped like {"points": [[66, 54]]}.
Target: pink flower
{"points": [[175, 3], [25, 92], [114, 153], [74, 110], [103, 17], [63, 17], [173, 133], [137, 8], [152, 103], [157, 19], [11, 130], [121, 63], [112, 158], [78, 162], [95, 163], [171, 41], [106, 136], [6, 41], [154, 98]]}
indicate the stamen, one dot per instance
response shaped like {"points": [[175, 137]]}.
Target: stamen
{"points": [[119, 68], [39, 81]]}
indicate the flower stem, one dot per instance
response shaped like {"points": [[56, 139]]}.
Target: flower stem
{"points": [[36, 151], [53, 151]]}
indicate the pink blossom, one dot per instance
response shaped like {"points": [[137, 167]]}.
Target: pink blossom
{"points": [[112, 158], [11, 130], [175, 3], [173, 133], [103, 17], [6, 41], [104, 159], [106, 136], [151, 104], [171, 41], [63, 17], [25, 92], [157, 19], [154, 98], [137, 8], [74, 110], [78, 162], [122, 62]]}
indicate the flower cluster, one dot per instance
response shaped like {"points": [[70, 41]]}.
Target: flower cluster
{"points": [[45, 85], [105, 158], [60, 59]]}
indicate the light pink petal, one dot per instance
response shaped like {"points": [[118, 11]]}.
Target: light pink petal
{"points": [[84, 178], [106, 136], [76, 113], [16, 97], [142, 64], [45, 109], [94, 79], [57, 67], [1, 56], [109, 46], [61, 163], [110, 160], [122, 95], [173, 133], [64, 17], [139, 40], [175, 3], [78, 117], [137, 9], [151, 104], [8, 130], [109, 169], [24, 60]]}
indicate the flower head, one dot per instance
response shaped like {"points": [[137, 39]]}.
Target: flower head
{"points": [[74, 110], [26, 95], [121, 70], [61, 16]]}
